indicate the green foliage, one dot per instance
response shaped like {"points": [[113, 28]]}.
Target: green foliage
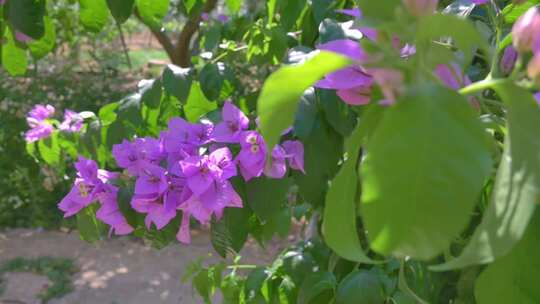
{"points": [[94, 14], [152, 11]]}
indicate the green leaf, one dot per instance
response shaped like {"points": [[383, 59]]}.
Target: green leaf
{"points": [[337, 113], [26, 16], [425, 167], [229, 233], [360, 286], [513, 11], [90, 228], [121, 9], [40, 48], [94, 14], [281, 92], [404, 286], [379, 10], [13, 58], [318, 287], [152, 11], [177, 82], [464, 34], [49, 149], [197, 105], [517, 186], [513, 278], [151, 94], [290, 11], [339, 221], [203, 285], [255, 282], [267, 196], [234, 5], [211, 81], [322, 151]]}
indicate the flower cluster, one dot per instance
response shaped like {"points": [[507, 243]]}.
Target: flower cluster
{"points": [[188, 169], [42, 126]]}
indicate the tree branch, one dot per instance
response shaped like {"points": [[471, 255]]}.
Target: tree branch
{"points": [[182, 56]]}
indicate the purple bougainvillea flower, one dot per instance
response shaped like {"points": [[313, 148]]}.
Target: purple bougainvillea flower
{"points": [[508, 60], [252, 156], [2, 2], [353, 12], [537, 97], [452, 76], [234, 122], [222, 158], [41, 131], [407, 51], [205, 16], [91, 182], [135, 155], [22, 37], [37, 120], [352, 83], [110, 214], [277, 168], [183, 235], [183, 135], [295, 154], [73, 122], [151, 183], [223, 18]]}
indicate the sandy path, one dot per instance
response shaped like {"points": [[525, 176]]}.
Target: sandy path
{"points": [[119, 271]]}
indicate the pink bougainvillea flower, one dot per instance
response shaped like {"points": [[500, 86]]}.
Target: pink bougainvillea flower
{"points": [[234, 122], [41, 131], [533, 68], [277, 168], [252, 156], [182, 134], [353, 12], [526, 30], [151, 182], [72, 123], [421, 7], [295, 154], [390, 82], [2, 2]]}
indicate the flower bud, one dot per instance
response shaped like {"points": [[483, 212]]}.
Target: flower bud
{"points": [[533, 69], [420, 8], [508, 60], [526, 30]]}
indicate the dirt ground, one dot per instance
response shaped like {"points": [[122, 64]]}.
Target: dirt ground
{"points": [[116, 271]]}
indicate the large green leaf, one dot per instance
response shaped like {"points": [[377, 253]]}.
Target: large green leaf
{"points": [[94, 14], [152, 12], [197, 105], [425, 167], [517, 187], [49, 149], [40, 48], [229, 233], [177, 82], [267, 196], [211, 81], [379, 10], [360, 287], [234, 5], [26, 16], [121, 9], [513, 11], [464, 34], [13, 58], [281, 92], [90, 228], [514, 278], [318, 287], [339, 225]]}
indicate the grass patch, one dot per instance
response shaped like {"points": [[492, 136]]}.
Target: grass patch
{"points": [[59, 271]]}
